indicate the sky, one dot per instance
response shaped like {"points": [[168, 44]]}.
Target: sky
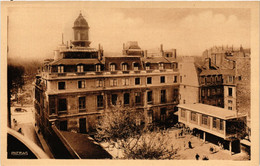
{"points": [[34, 32]]}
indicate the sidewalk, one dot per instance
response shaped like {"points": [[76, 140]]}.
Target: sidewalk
{"points": [[45, 146]]}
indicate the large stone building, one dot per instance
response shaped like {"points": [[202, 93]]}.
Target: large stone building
{"points": [[80, 83]]}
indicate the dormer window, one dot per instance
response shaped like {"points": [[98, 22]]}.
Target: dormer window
{"points": [[98, 68], [112, 67], [136, 66], [60, 69], [124, 66], [80, 68], [147, 66], [161, 66]]}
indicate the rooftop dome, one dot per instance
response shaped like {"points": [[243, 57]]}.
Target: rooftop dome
{"points": [[80, 22]]}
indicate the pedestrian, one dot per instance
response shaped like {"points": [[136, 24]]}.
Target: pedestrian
{"points": [[197, 156], [184, 145], [189, 143], [176, 136]]}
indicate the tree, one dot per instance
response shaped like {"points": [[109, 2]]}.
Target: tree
{"points": [[14, 82], [125, 127]]}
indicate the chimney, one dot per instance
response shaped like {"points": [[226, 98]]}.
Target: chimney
{"points": [[161, 47], [123, 46], [145, 53], [174, 53]]}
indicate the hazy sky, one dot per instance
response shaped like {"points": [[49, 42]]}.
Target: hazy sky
{"points": [[36, 31]]}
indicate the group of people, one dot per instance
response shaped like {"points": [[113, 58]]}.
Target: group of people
{"points": [[197, 156]]}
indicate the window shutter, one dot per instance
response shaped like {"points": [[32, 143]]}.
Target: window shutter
{"points": [[111, 82], [123, 81]]}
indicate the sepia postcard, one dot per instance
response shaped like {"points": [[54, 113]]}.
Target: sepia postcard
{"points": [[136, 83]]}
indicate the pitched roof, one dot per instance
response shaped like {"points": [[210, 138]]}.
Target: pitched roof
{"points": [[210, 110], [156, 60], [85, 147], [74, 61], [217, 72]]}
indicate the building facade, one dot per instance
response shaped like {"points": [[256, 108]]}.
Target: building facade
{"points": [[80, 83]]}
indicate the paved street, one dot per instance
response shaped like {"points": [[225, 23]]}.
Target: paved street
{"points": [[25, 121], [185, 153], [201, 148]]}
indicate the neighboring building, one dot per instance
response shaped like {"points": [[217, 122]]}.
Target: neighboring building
{"points": [[189, 82], [79, 84], [224, 98], [225, 79]]}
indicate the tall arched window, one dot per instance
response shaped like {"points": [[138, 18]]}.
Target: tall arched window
{"points": [[98, 67], [136, 66], [161, 66], [124, 66], [60, 69], [112, 67], [80, 68], [147, 66]]}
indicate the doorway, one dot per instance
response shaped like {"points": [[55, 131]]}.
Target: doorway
{"points": [[82, 125]]}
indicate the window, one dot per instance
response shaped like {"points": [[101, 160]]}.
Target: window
{"points": [[82, 104], [214, 122], [163, 96], [163, 114], [114, 99], [100, 101], [213, 91], [81, 84], [180, 79], [124, 66], [205, 119], [149, 96], [175, 79], [183, 113], [230, 102], [99, 83], [208, 92], [60, 69], [239, 78], [229, 91], [161, 66], [218, 91], [138, 97], [162, 80], [175, 94], [230, 108], [202, 92], [193, 116], [147, 66], [221, 124], [125, 81], [113, 82], [61, 85], [62, 105], [98, 68], [112, 67], [149, 80], [64, 125], [137, 81], [136, 66], [184, 86], [126, 98], [80, 68], [230, 78], [184, 101], [52, 105]]}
